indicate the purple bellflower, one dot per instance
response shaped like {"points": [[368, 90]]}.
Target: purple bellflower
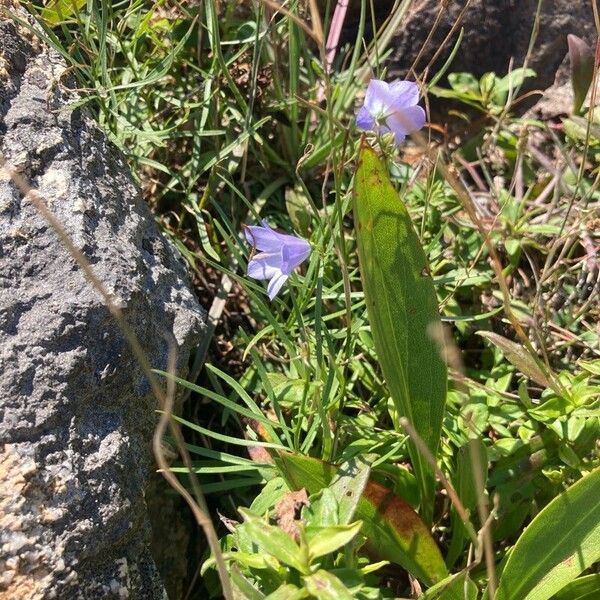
{"points": [[279, 254], [391, 107]]}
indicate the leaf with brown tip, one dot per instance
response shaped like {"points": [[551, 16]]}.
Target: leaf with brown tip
{"points": [[394, 531]]}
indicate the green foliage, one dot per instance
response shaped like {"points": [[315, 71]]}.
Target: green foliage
{"points": [[582, 588], [489, 94], [562, 541], [454, 587], [393, 529], [304, 563], [402, 308]]}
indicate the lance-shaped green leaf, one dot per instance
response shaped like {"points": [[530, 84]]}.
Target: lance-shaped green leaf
{"points": [[454, 587], [288, 592], [402, 308], [581, 57], [394, 531], [583, 588], [519, 357], [562, 541], [275, 541], [325, 540], [326, 586], [57, 11], [470, 459], [348, 486]]}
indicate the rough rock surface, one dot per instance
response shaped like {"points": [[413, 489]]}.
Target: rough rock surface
{"points": [[495, 31], [76, 413]]}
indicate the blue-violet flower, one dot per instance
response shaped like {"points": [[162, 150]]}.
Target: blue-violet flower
{"points": [[279, 254], [391, 107]]}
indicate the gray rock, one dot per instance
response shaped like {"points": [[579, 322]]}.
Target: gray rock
{"points": [[495, 31], [76, 412]]}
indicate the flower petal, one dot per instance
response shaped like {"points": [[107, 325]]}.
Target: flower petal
{"points": [[275, 285], [416, 116], [377, 98], [263, 238], [404, 93], [406, 121], [364, 120], [399, 137], [293, 253], [265, 265]]}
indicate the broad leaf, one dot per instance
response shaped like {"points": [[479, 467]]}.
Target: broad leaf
{"points": [[519, 357], [325, 540], [242, 587], [275, 541], [561, 542], [464, 483], [394, 531], [583, 588], [403, 310], [288, 592], [348, 486], [326, 586], [454, 587], [511, 82], [57, 11]]}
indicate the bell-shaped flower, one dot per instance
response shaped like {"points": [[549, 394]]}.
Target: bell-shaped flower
{"points": [[391, 107], [279, 254]]}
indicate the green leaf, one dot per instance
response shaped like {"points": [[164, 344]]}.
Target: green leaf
{"points": [[326, 586], [403, 310], [452, 588], [273, 491], [252, 560], [464, 483], [322, 512], [57, 11], [513, 81], [465, 475], [299, 209], [324, 540], [581, 57], [561, 542], [274, 541], [518, 356], [464, 83], [576, 127], [551, 410], [394, 531], [487, 83], [288, 592], [583, 588], [348, 486], [304, 471], [243, 587], [591, 366]]}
